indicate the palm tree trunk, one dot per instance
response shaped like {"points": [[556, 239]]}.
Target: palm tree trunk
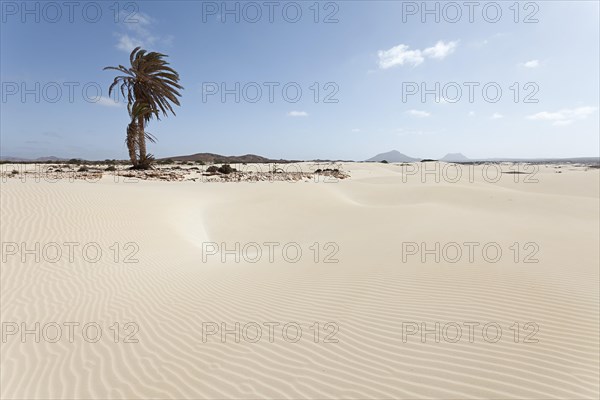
{"points": [[142, 140], [131, 140]]}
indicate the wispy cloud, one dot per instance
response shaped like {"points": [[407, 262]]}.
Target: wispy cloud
{"points": [[563, 117], [403, 55], [128, 43], [497, 116], [108, 102], [297, 114], [355, 130], [440, 50], [531, 64], [399, 55], [139, 31], [418, 113]]}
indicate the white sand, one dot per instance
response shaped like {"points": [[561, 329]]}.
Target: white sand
{"points": [[370, 293]]}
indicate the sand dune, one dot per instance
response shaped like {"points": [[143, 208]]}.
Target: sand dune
{"points": [[367, 304]]}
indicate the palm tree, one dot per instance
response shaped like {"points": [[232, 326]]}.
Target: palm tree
{"points": [[151, 88]]}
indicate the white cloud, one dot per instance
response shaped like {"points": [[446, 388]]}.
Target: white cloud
{"points": [[471, 113], [531, 64], [497, 116], [297, 114], [128, 43], [440, 50], [139, 27], [402, 54], [108, 102], [138, 22], [563, 117], [419, 113], [355, 130], [399, 55]]}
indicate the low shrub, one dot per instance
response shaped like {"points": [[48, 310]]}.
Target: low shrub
{"points": [[226, 169]]}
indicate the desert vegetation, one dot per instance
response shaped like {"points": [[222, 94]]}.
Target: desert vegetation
{"points": [[152, 89]]}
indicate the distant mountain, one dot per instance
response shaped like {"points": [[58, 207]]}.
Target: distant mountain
{"points": [[393, 156], [51, 158], [217, 158], [454, 157], [39, 159], [12, 159]]}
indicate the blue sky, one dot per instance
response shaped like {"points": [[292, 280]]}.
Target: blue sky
{"points": [[363, 66]]}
